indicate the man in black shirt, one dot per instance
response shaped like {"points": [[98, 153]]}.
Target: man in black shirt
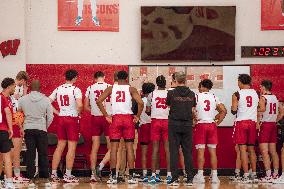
{"points": [[181, 101]]}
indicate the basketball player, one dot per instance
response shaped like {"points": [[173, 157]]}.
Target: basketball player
{"points": [[79, 18], [99, 123], [159, 125], [6, 130], [122, 121], [268, 130], [145, 129], [69, 99], [205, 131], [245, 105]]}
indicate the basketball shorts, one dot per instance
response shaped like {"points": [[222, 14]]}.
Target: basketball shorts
{"points": [[268, 132], [68, 128], [122, 127], [99, 126], [144, 134], [205, 133], [159, 130], [245, 132]]}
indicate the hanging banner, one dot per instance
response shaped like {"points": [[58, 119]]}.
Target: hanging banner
{"points": [[88, 15], [272, 14]]}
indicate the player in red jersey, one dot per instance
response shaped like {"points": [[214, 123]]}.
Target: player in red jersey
{"points": [[268, 130], [205, 131], [245, 104], [69, 99], [99, 123], [122, 121], [6, 130]]}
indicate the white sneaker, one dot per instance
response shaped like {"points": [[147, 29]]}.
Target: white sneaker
{"points": [[20, 179], [54, 178], [93, 178], [70, 179], [132, 180], [266, 180], [78, 21], [215, 179], [9, 185], [198, 179], [112, 180], [280, 180]]}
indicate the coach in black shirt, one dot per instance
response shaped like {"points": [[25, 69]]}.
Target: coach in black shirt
{"points": [[181, 101]]}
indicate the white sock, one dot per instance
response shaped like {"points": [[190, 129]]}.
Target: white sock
{"points": [[214, 172], [101, 166], [116, 174], [153, 174], [169, 174], [184, 172], [94, 8], [144, 172], [17, 172], [68, 172], [253, 173], [157, 172], [200, 172], [54, 172], [275, 172], [268, 173], [237, 171], [80, 7]]}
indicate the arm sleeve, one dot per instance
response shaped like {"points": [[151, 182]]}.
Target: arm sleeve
{"points": [[49, 114], [53, 95], [77, 93]]}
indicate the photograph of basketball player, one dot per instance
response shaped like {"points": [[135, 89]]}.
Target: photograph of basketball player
{"points": [[69, 99], [205, 131], [99, 124], [268, 131], [245, 104], [159, 126], [80, 6], [122, 122]]}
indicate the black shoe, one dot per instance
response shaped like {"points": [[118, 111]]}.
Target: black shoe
{"points": [[189, 182], [98, 172], [173, 182]]}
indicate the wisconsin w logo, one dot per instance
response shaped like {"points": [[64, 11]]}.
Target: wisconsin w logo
{"points": [[9, 47]]}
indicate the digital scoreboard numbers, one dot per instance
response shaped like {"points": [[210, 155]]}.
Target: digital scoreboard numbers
{"points": [[262, 51]]}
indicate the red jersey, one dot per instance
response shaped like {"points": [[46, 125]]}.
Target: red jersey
{"points": [[4, 103]]}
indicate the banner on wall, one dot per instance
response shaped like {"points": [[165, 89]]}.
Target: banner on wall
{"points": [[88, 15], [272, 14]]}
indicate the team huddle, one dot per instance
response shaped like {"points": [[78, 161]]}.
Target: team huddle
{"points": [[118, 111]]}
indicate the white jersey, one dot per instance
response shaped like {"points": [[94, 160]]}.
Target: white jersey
{"points": [[271, 109], [66, 96], [93, 93], [121, 99], [144, 119], [15, 104], [247, 106], [159, 109], [19, 92], [206, 104]]}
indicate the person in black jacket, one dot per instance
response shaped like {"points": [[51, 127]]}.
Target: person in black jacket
{"points": [[181, 101]]}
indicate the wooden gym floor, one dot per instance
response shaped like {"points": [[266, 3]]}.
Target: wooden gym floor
{"points": [[225, 184]]}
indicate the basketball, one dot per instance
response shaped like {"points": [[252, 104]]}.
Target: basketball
{"points": [[18, 118]]}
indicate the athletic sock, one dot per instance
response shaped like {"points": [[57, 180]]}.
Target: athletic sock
{"points": [[184, 172], [101, 166], [214, 172], [268, 173], [275, 172], [68, 172], [157, 172], [144, 172], [169, 174], [200, 172], [237, 171], [246, 175], [93, 171], [153, 174], [17, 172], [54, 172]]}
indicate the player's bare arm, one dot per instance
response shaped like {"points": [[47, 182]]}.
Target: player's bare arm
{"points": [[55, 111], [79, 105], [194, 116], [280, 111], [234, 107], [222, 113], [87, 106], [9, 121], [261, 104], [135, 95], [101, 99]]}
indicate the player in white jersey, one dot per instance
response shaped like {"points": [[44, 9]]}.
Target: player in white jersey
{"points": [[99, 123], [122, 121], [245, 104], [268, 130], [205, 131], [69, 99], [159, 126], [80, 8]]}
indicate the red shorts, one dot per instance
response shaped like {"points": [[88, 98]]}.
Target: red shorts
{"points": [[245, 132], [122, 127], [144, 133], [205, 133], [68, 128], [99, 126], [159, 129], [268, 132], [16, 131]]}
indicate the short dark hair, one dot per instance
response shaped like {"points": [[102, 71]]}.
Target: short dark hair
{"points": [[7, 82], [207, 83], [99, 74], [161, 81], [148, 88], [244, 79], [267, 84], [22, 75], [70, 74], [122, 75]]}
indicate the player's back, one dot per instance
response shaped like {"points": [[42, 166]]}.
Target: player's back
{"points": [[121, 99], [271, 109], [247, 105], [66, 95], [159, 109], [145, 118], [206, 104]]}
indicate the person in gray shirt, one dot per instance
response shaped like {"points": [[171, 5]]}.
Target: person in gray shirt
{"points": [[38, 117]]}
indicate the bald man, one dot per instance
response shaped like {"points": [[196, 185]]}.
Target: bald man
{"points": [[38, 117]]}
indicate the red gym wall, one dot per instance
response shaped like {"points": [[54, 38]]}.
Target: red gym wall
{"points": [[52, 75]]}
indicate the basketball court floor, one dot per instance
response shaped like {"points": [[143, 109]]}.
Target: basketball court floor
{"points": [[84, 184]]}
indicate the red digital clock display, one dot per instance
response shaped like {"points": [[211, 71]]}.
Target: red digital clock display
{"points": [[275, 51]]}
